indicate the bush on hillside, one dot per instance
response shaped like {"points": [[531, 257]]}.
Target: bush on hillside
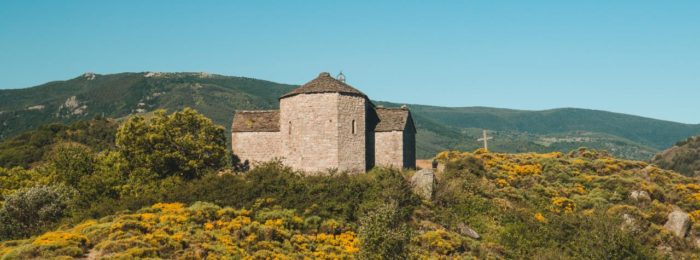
{"points": [[31, 210], [595, 236], [335, 195], [200, 231], [384, 233], [69, 162], [184, 143], [17, 178], [31, 147], [578, 205]]}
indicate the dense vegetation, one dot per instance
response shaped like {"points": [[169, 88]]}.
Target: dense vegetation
{"points": [[123, 202], [439, 128], [578, 205], [203, 230], [29, 147], [684, 157]]}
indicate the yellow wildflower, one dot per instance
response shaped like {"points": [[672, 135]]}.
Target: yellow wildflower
{"points": [[540, 218], [501, 182], [562, 204], [208, 226]]}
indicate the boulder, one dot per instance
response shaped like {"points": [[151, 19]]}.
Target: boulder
{"points": [[628, 219], [423, 183], [678, 223], [629, 222], [640, 195], [467, 231]]}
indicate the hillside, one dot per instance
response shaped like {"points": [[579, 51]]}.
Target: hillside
{"points": [[486, 205], [169, 189], [684, 157], [118, 95], [29, 147], [439, 128], [565, 129]]}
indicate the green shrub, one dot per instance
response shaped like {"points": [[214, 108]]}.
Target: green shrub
{"points": [[384, 233], [184, 143], [69, 162], [32, 210], [574, 236], [30, 147]]}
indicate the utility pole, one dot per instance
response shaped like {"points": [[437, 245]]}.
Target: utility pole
{"points": [[486, 139]]}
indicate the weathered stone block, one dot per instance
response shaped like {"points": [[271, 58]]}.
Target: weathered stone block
{"points": [[678, 223], [465, 230], [423, 183]]}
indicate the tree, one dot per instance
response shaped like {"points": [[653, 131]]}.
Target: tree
{"points": [[107, 177], [68, 162], [184, 143]]}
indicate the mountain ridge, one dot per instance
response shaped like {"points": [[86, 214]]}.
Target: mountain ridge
{"points": [[508, 118], [440, 128]]}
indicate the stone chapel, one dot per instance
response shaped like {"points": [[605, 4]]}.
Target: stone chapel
{"points": [[326, 124]]}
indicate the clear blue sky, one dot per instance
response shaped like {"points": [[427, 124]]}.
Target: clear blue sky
{"points": [[638, 57]]}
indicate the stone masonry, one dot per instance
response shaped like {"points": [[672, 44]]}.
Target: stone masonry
{"points": [[326, 124]]}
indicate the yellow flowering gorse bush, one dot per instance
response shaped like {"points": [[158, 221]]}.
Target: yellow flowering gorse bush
{"points": [[203, 230]]}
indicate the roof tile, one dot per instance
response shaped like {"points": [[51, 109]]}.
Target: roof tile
{"points": [[256, 121], [324, 83], [391, 119]]}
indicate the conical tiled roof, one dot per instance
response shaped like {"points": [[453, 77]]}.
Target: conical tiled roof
{"points": [[324, 83]]}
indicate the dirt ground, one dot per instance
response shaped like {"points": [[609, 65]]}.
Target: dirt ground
{"points": [[424, 164]]}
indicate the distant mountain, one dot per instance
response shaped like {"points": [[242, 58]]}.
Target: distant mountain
{"points": [[439, 128], [562, 129], [684, 157], [122, 94]]}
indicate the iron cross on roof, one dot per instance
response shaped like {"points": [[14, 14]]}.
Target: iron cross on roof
{"points": [[486, 139]]}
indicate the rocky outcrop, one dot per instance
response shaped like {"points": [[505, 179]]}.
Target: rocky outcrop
{"points": [[89, 75], [37, 107], [423, 182], [628, 222], [72, 106], [465, 230], [678, 223], [640, 195]]}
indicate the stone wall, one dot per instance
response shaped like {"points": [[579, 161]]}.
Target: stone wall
{"points": [[323, 131], [351, 142], [389, 149], [396, 148], [256, 146], [309, 131]]}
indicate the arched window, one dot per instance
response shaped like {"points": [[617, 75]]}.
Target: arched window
{"points": [[354, 126]]}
